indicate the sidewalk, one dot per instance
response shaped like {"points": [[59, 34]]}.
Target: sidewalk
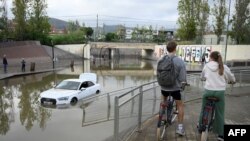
{"points": [[236, 112]]}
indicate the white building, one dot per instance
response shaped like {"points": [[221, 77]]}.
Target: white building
{"points": [[211, 39], [128, 35]]}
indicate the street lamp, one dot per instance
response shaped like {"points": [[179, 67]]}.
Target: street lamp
{"points": [[53, 58], [229, 5]]}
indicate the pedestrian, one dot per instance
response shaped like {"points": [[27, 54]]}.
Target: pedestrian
{"points": [[72, 65], [203, 59], [216, 75], [5, 63], [23, 65], [178, 79]]}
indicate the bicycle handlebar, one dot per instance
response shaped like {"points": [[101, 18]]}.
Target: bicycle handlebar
{"points": [[183, 85], [231, 82]]}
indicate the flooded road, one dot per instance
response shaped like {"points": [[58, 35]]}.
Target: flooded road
{"points": [[23, 119]]}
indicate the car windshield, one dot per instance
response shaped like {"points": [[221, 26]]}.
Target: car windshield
{"points": [[69, 85]]}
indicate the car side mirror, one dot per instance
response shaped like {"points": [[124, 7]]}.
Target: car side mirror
{"points": [[82, 89]]}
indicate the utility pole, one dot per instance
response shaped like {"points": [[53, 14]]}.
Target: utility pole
{"points": [[229, 5], [97, 28], [53, 56]]}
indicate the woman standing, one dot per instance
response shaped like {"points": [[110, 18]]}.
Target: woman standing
{"points": [[217, 75]]}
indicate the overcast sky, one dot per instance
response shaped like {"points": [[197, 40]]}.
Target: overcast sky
{"points": [[126, 12]]}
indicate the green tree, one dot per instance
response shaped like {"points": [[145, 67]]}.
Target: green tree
{"points": [[3, 22], [135, 33], [202, 14], [20, 8], [88, 31], [241, 21], [219, 12], [73, 26], [186, 20], [111, 37], [39, 26], [121, 32]]}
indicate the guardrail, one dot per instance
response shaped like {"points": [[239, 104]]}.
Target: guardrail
{"points": [[135, 117]]}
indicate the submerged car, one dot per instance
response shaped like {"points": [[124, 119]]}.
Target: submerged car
{"points": [[69, 91]]}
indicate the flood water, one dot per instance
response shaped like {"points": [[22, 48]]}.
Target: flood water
{"points": [[22, 118]]}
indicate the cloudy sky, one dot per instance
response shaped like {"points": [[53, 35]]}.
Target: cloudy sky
{"points": [[131, 13], [126, 12]]}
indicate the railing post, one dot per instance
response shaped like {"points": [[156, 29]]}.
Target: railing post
{"points": [[240, 78], [109, 106], [140, 108], [116, 119], [83, 113], [154, 86], [154, 102], [132, 105]]}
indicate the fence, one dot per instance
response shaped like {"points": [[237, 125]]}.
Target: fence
{"points": [[134, 107]]}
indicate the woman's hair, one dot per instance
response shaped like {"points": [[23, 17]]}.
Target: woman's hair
{"points": [[216, 56], [171, 46]]}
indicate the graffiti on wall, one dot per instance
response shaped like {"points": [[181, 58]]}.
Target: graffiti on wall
{"points": [[194, 53]]}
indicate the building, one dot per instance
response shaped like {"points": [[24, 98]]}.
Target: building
{"points": [[211, 39]]}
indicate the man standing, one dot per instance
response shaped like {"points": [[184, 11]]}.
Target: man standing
{"points": [[5, 63], [178, 77], [23, 65]]}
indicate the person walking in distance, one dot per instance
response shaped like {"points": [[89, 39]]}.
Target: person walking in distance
{"points": [[5, 63], [216, 75], [173, 80], [23, 65]]}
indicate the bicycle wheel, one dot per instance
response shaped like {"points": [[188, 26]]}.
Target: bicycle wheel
{"points": [[161, 125], [204, 135], [160, 132]]}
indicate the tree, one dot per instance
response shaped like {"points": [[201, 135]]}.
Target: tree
{"points": [[39, 26], [20, 8], [121, 32], [87, 31], [219, 12], [111, 37], [202, 14], [73, 26], [240, 22], [3, 22], [186, 20]]}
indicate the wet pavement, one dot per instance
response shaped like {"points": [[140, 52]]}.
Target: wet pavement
{"points": [[236, 112]]}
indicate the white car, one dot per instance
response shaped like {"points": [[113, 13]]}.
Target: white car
{"points": [[70, 91]]}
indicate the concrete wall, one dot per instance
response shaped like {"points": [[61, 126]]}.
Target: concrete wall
{"points": [[234, 52], [76, 49]]}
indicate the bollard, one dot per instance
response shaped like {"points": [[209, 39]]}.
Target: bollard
{"points": [[32, 66]]}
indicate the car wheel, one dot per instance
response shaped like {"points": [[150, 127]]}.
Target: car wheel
{"points": [[97, 92], [73, 101]]}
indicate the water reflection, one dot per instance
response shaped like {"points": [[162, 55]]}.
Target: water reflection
{"points": [[19, 96]]}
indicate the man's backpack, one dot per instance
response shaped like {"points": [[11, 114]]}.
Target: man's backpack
{"points": [[166, 72]]}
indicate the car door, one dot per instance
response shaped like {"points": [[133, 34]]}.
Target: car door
{"points": [[91, 87], [85, 91]]}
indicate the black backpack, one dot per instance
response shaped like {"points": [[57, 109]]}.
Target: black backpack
{"points": [[166, 72]]}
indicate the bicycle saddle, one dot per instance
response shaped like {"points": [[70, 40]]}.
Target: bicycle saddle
{"points": [[213, 98]]}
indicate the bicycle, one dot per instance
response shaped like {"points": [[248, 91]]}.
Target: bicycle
{"points": [[208, 116], [167, 114]]}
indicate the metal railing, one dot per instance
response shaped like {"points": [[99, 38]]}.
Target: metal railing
{"points": [[102, 104], [127, 121]]}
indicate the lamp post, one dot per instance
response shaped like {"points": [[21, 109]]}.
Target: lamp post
{"points": [[229, 5], [53, 58]]}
